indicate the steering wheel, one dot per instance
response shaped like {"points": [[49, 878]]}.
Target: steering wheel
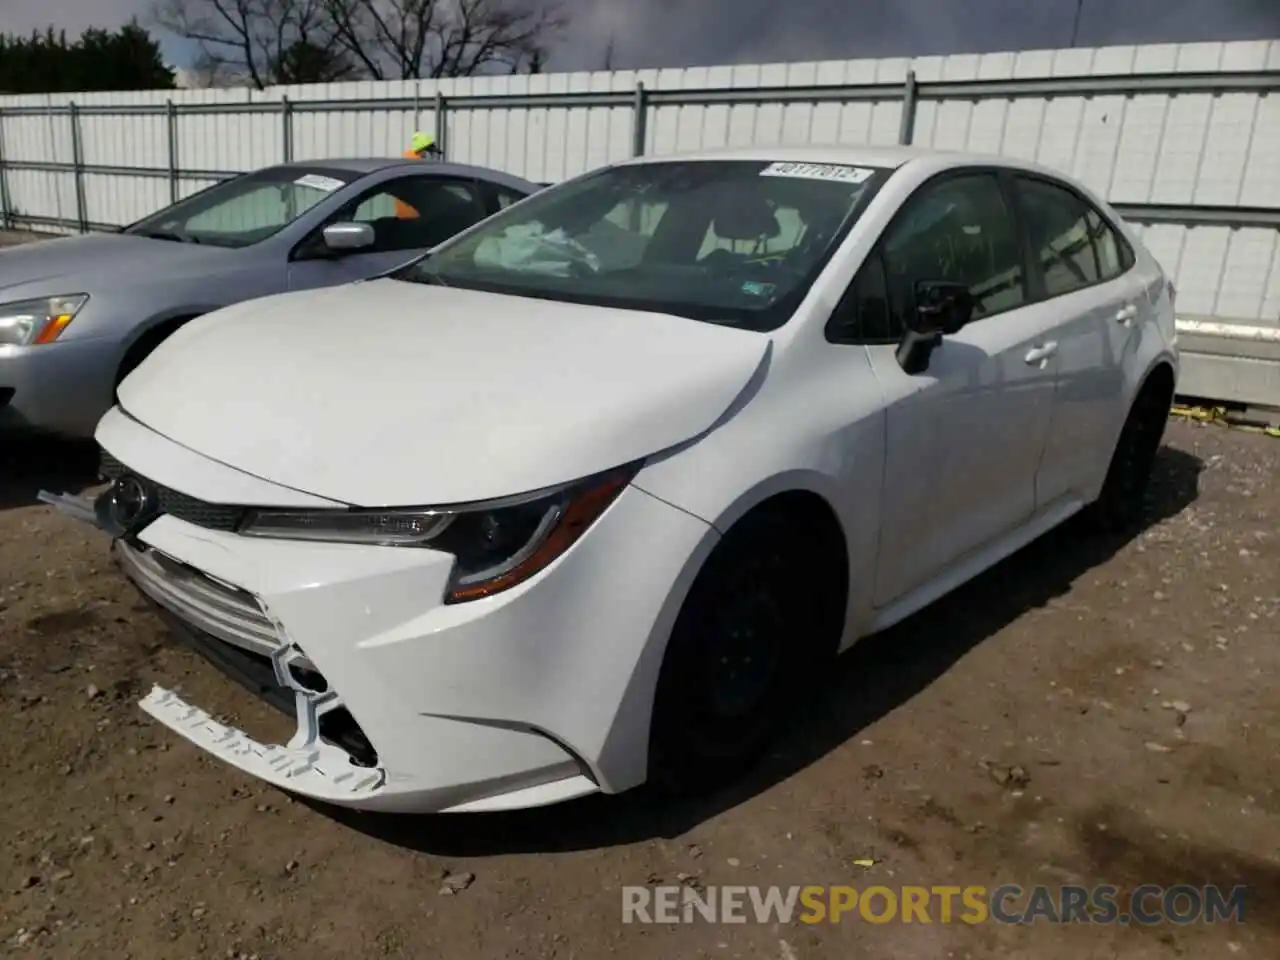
{"points": [[722, 259], [581, 271]]}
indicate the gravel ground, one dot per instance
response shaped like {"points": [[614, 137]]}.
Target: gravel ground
{"points": [[1092, 713]]}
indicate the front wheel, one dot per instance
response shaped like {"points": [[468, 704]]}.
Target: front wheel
{"points": [[748, 633]]}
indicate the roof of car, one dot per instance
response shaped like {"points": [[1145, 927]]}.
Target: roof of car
{"points": [[888, 157], [367, 165], [870, 156], [351, 164]]}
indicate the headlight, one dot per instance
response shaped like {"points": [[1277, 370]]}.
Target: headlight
{"points": [[496, 545], [38, 321]]}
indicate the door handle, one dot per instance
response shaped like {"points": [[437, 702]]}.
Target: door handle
{"points": [[1038, 355], [1126, 314]]}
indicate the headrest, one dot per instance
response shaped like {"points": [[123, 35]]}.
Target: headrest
{"points": [[739, 214]]}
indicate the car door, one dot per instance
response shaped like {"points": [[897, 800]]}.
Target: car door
{"points": [[444, 205], [1083, 276], [963, 438]]}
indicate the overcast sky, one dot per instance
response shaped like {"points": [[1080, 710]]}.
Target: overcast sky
{"points": [[655, 33]]}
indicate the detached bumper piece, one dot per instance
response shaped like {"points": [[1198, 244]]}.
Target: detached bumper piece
{"points": [[307, 765], [229, 628], [328, 756], [77, 508]]}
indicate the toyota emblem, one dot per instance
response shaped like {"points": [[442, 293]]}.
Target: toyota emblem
{"points": [[128, 505]]}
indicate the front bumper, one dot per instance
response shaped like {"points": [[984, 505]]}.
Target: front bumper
{"points": [[533, 696], [62, 387]]}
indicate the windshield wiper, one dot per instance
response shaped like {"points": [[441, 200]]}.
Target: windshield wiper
{"points": [[409, 275], [169, 235]]}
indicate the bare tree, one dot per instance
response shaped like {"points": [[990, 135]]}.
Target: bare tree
{"points": [[445, 38], [208, 71], [298, 41], [607, 64], [307, 62], [256, 39]]}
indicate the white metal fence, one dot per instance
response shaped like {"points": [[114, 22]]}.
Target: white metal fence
{"points": [[1183, 139]]}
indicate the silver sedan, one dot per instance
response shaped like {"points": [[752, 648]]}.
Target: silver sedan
{"points": [[77, 314]]}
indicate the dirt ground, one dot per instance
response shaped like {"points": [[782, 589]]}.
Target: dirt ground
{"points": [[1132, 683]]}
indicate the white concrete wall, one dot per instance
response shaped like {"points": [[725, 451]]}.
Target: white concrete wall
{"points": [[1221, 150]]}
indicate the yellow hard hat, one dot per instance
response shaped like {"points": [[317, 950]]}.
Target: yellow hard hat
{"points": [[421, 141]]}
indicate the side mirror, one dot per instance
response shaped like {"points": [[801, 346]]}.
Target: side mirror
{"points": [[943, 307], [348, 236]]}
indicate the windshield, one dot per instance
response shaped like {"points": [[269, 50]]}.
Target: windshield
{"points": [[244, 209], [728, 241]]}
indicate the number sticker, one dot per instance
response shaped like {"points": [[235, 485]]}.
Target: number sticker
{"points": [[756, 288], [836, 172], [316, 182]]}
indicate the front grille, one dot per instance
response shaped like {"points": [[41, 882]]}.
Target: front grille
{"points": [[109, 467], [228, 613], [200, 513]]}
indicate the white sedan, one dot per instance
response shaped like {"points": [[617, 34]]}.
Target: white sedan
{"points": [[585, 497]]}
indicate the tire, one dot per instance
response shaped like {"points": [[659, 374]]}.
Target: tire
{"points": [[1120, 505], [745, 639]]}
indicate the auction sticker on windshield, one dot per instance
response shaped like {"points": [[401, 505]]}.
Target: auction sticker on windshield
{"points": [[838, 172], [316, 182]]}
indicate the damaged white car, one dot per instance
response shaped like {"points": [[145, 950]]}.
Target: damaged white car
{"points": [[586, 496]]}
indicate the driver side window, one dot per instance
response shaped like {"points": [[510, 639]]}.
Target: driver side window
{"points": [[403, 197], [414, 212], [961, 230], [958, 229]]}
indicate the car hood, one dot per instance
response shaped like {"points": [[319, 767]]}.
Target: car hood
{"points": [[51, 267], [387, 393]]}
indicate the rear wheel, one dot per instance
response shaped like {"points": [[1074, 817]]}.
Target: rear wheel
{"points": [[1120, 505], [757, 621]]}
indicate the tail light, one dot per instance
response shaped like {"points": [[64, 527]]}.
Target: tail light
{"points": [[1173, 294]]}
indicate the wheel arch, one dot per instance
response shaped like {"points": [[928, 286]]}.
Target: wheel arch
{"points": [[146, 336], [1161, 375], [813, 513], [804, 496], [809, 522], [1162, 365], [808, 497]]}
